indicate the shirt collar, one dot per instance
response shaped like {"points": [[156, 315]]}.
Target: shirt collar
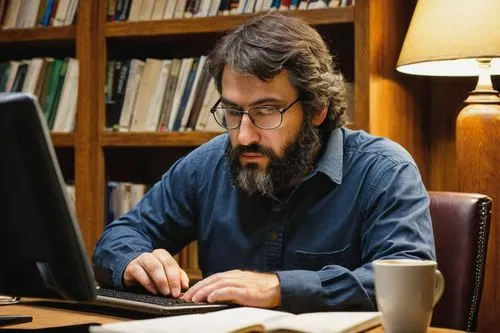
{"points": [[331, 161]]}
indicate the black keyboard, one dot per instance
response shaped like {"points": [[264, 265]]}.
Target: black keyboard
{"points": [[145, 298]]}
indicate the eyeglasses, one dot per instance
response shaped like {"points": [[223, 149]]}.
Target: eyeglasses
{"points": [[263, 117]]}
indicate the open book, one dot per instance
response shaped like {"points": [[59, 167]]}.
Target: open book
{"points": [[245, 319]]}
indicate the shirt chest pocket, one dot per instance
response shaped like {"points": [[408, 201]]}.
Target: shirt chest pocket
{"points": [[316, 260]]}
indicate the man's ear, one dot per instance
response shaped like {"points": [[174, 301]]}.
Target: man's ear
{"points": [[320, 116]]}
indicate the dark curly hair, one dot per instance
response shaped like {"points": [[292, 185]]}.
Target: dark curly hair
{"points": [[265, 45]]}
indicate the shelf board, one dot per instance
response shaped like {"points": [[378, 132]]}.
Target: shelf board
{"points": [[37, 34], [156, 139], [63, 139], [218, 23]]}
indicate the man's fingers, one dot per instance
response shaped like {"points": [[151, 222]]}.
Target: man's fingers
{"points": [[228, 294], [204, 290], [156, 272], [137, 274], [171, 270], [188, 295], [184, 280]]}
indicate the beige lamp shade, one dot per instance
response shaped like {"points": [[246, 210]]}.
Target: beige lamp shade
{"points": [[446, 37]]}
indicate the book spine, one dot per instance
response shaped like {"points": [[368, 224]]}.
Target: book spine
{"points": [[70, 17], [46, 14], [17, 86], [179, 90], [185, 95], [4, 75], [120, 92], [51, 89], [133, 81], [3, 10], [111, 9], [169, 95], [275, 4], [60, 81], [154, 110], [53, 12], [122, 12], [41, 12], [111, 110], [49, 63], [69, 123]]}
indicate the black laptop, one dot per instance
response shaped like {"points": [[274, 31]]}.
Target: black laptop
{"points": [[41, 248]]}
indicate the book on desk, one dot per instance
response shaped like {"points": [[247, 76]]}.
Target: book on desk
{"points": [[247, 319]]}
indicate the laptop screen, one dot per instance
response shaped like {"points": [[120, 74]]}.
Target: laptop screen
{"points": [[41, 248]]}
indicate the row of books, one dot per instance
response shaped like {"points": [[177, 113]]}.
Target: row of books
{"points": [[53, 81], [160, 95], [122, 197], [19, 14], [147, 10]]}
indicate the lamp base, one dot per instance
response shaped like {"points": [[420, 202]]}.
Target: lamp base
{"points": [[478, 170]]}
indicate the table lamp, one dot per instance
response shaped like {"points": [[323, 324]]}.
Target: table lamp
{"points": [[462, 38]]}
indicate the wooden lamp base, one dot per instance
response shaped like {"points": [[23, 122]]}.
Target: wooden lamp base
{"points": [[478, 171]]}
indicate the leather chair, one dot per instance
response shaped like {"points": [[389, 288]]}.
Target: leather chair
{"points": [[461, 224]]}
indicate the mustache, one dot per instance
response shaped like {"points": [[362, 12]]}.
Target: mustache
{"points": [[252, 148]]}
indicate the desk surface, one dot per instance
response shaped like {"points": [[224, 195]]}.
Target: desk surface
{"points": [[44, 316]]}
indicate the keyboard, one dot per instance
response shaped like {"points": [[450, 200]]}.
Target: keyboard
{"points": [[148, 303], [151, 299]]}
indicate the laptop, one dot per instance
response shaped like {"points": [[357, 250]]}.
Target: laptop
{"points": [[41, 247]]}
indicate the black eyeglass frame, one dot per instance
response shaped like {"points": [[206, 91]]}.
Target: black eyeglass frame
{"points": [[243, 112]]}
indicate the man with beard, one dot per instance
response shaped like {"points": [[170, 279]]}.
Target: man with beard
{"points": [[289, 208]]}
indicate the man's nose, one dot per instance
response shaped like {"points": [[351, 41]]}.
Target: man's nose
{"points": [[247, 132]]}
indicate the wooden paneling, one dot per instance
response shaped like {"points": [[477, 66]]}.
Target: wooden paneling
{"points": [[391, 103], [362, 65]]}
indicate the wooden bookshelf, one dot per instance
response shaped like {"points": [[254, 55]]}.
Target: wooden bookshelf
{"points": [[63, 139], [323, 16], [154, 139], [37, 34]]}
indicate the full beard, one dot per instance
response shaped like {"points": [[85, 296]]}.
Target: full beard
{"points": [[298, 161]]}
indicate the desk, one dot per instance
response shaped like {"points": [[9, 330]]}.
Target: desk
{"points": [[52, 317]]}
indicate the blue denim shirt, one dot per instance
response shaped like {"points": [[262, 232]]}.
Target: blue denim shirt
{"points": [[364, 201]]}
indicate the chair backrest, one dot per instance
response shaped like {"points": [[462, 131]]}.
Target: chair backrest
{"points": [[461, 224]]}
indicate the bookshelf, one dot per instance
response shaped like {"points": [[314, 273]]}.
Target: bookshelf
{"points": [[38, 34], [325, 16], [156, 139], [63, 139], [366, 39]]}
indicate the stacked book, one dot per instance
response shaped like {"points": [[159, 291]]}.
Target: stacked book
{"points": [[53, 81], [147, 10], [158, 95], [22, 14]]}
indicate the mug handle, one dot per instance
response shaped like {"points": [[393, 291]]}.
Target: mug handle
{"points": [[439, 287]]}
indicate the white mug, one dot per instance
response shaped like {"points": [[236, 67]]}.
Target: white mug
{"points": [[406, 291]]}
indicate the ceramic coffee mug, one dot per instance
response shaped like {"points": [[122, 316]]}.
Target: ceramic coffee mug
{"points": [[406, 291]]}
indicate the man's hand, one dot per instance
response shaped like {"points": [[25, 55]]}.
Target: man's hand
{"points": [[242, 287], [157, 272]]}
